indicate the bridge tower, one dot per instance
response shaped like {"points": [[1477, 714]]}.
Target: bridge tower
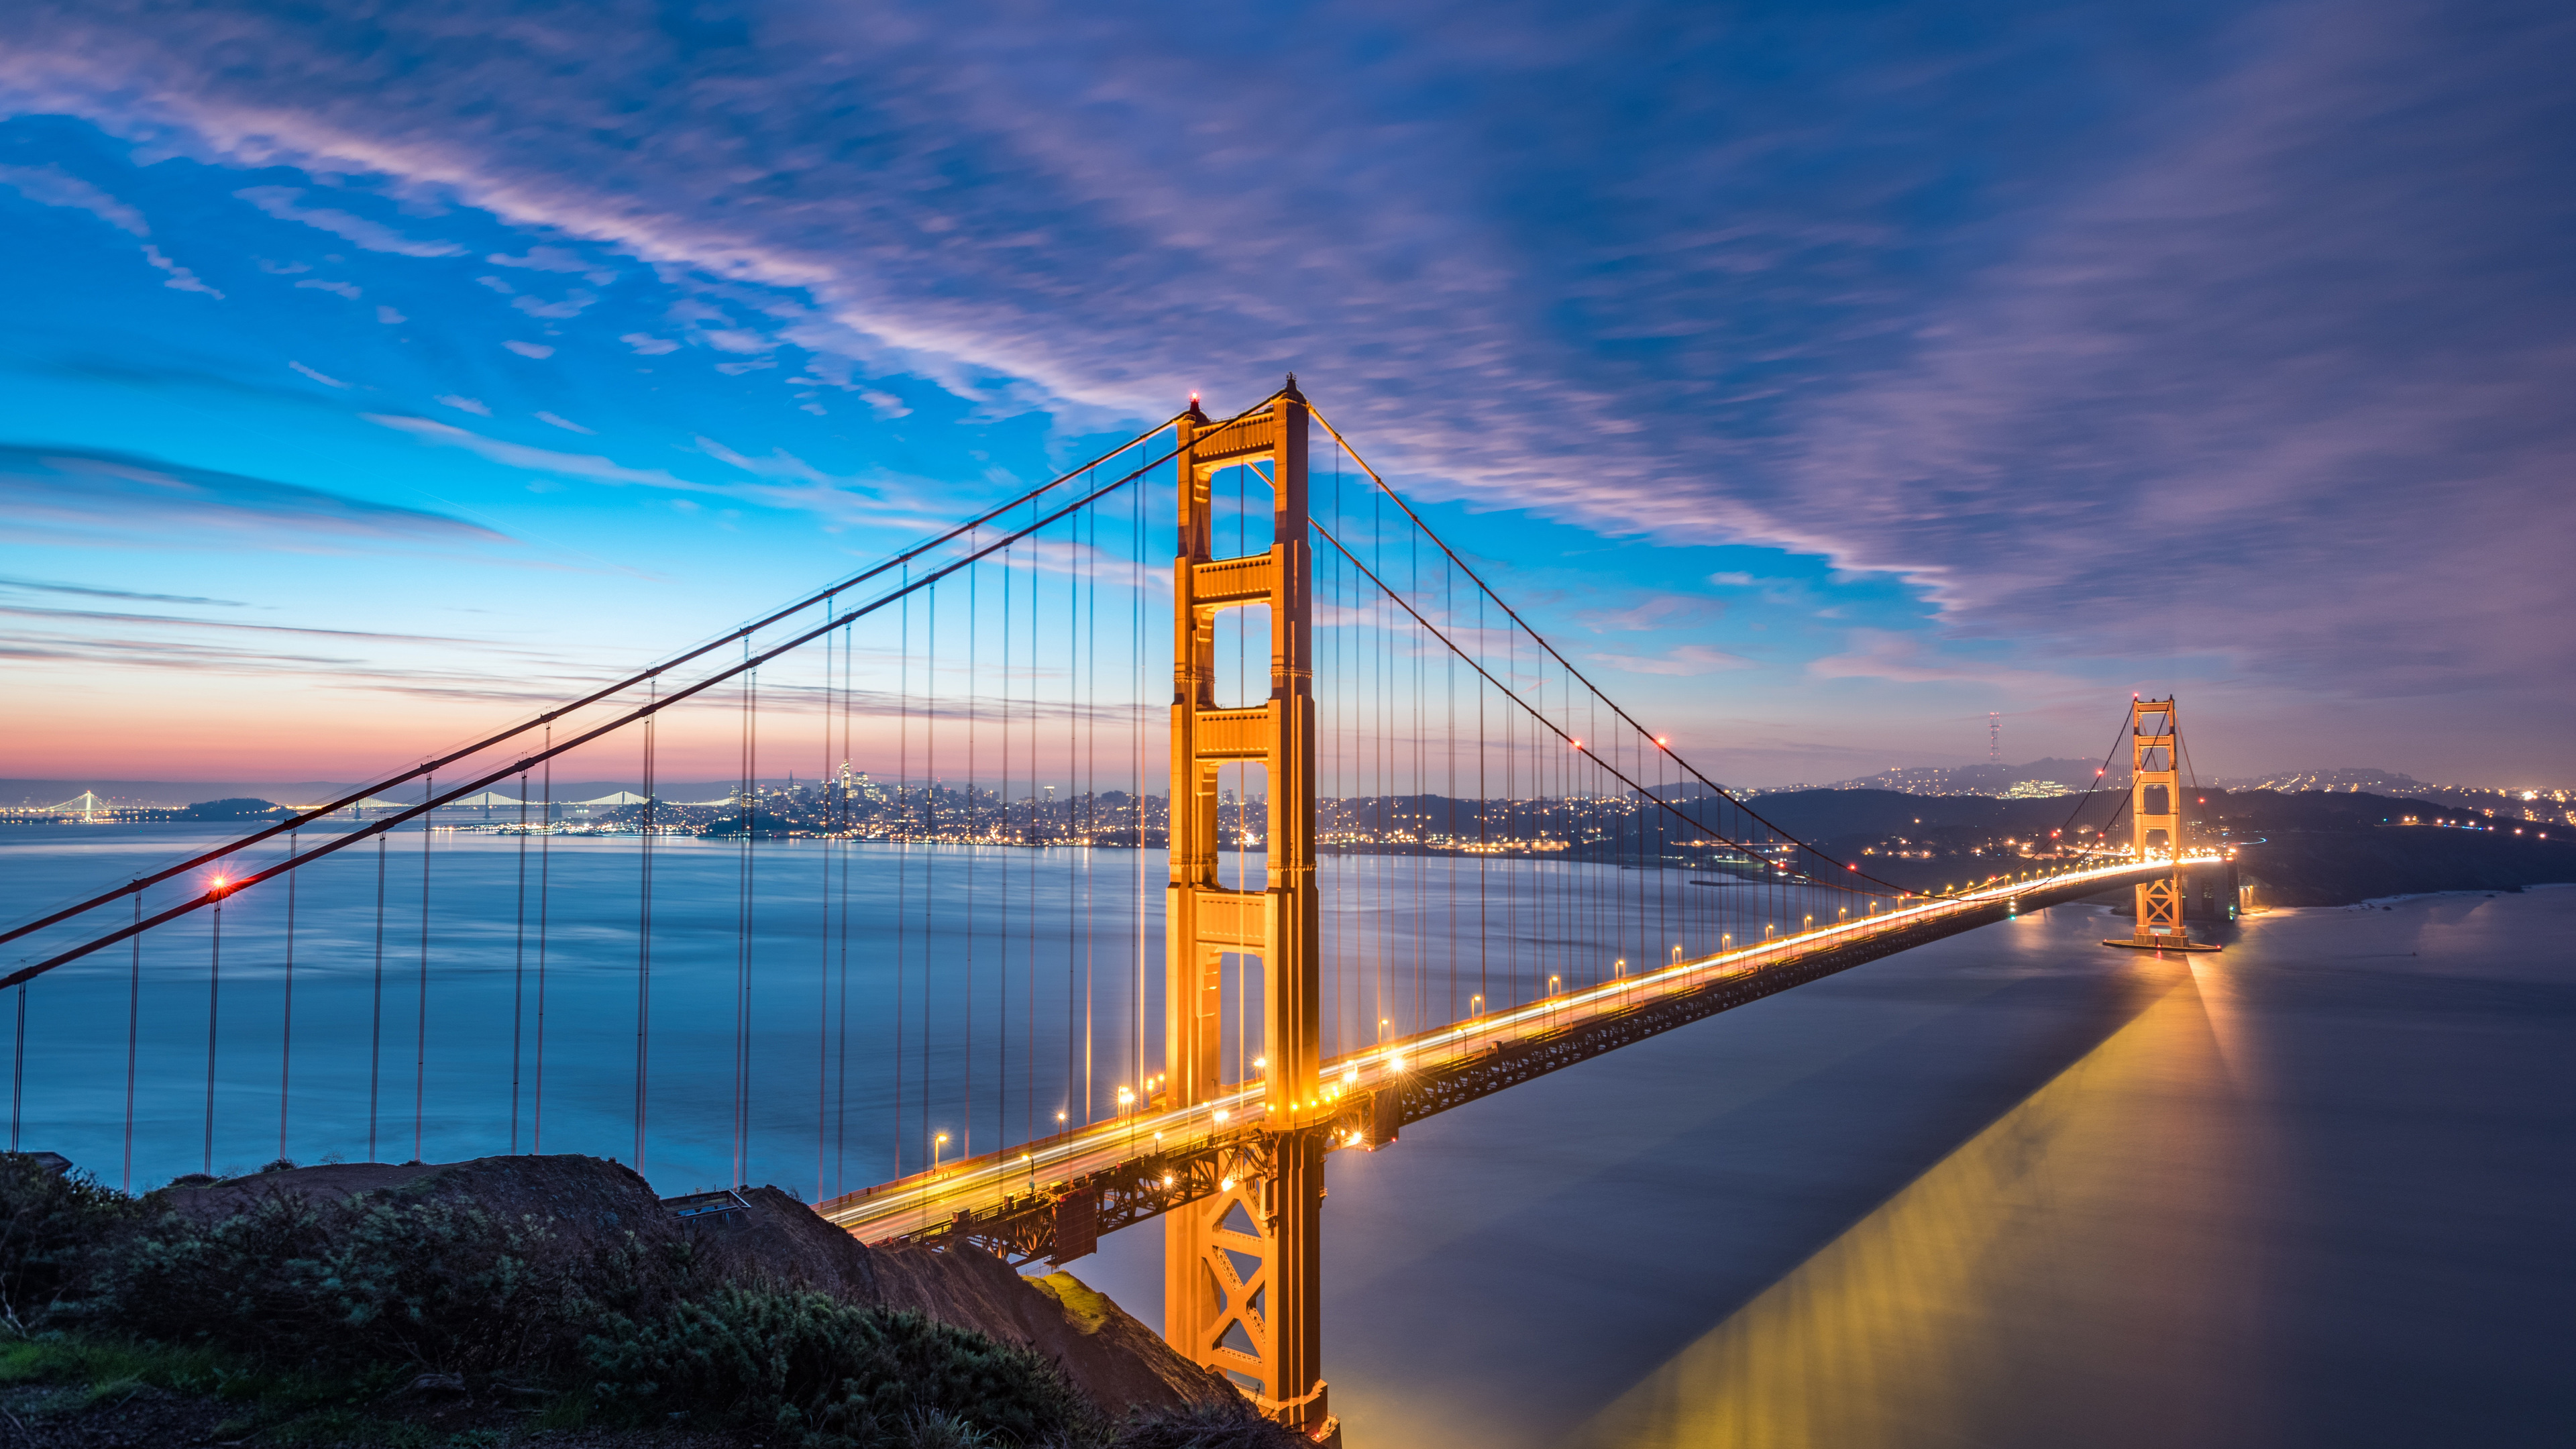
{"points": [[1241, 1281], [2155, 810]]}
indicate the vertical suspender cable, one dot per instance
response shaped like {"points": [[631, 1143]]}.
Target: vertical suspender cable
{"points": [[849, 858], [903, 849], [518, 964], [18, 1056], [133, 1041], [644, 928], [286, 1036], [545, 859], [827, 812], [214, 984], [420, 1023], [376, 1015]]}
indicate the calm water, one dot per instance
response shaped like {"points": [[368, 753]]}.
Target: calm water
{"points": [[2011, 1189], [504, 1009]]}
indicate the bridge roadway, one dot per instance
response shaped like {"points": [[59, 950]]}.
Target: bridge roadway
{"points": [[1053, 1197]]}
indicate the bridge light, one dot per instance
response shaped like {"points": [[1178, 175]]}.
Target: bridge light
{"points": [[1227, 1185]]}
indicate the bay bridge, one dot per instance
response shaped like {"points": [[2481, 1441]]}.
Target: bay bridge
{"points": [[1077, 949]]}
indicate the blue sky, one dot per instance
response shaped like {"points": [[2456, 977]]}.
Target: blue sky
{"points": [[1824, 376]]}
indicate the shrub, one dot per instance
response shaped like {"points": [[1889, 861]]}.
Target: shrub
{"points": [[1227, 1423], [835, 1375], [379, 1278], [51, 1227]]}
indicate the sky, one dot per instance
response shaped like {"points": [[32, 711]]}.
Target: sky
{"points": [[1822, 377]]}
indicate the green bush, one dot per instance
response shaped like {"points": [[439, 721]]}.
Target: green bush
{"points": [[377, 1279], [835, 1375], [51, 1228]]}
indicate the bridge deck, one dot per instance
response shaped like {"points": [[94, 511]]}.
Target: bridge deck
{"points": [[1053, 1196]]}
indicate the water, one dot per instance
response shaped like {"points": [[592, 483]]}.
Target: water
{"points": [[799, 981], [2009, 1189]]}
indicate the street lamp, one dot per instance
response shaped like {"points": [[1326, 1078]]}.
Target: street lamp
{"points": [[937, 1143]]}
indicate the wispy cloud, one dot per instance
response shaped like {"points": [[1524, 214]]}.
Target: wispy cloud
{"points": [[323, 378], [53, 186], [537, 350], [543, 460], [281, 202], [1907, 659], [87, 591], [94, 493], [1688, 659]]}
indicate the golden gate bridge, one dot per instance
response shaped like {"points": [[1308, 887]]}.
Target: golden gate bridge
{"points": [[1404, 854]]}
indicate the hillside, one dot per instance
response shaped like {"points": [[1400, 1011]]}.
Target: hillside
{"points": [[2306, 847]]}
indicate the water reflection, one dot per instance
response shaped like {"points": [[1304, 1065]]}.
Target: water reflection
{"points": [[2065, 1276]]}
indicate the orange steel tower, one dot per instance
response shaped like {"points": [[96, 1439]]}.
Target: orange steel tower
{"points": [[2155, 808], [1240, 1283]]}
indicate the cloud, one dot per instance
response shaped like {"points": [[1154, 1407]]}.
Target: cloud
{"points": [[570, 306], [181, 279], [1939, 304], [349, 290], [389, 316], [649, 345], [89, 493], [325, 380], [53, 186], [86, 591], [543, 259], [1688, 659], [475, 406], [1906, 659], [569, 426], [543, 460], [529, 349], [279, 202], [1661, 611]]}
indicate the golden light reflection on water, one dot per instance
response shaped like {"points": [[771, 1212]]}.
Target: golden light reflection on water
{"points": [[2074, 1274]]}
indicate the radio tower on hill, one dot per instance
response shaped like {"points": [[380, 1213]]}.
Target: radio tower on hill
{"points": [[1994, 738]]}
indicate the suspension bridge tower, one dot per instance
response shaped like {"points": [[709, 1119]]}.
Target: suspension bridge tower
{"points": [[2155, 810], [1241, 1282]]}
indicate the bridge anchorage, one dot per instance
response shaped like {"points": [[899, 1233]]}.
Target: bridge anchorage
{"points": [[1449, 863]]}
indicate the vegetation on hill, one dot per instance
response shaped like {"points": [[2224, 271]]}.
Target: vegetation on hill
{"points": [[387, 1317]]}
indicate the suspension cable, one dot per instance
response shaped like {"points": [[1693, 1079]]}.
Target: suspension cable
{"points": [[660, 702], [1541, 640], [293, 822]]}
